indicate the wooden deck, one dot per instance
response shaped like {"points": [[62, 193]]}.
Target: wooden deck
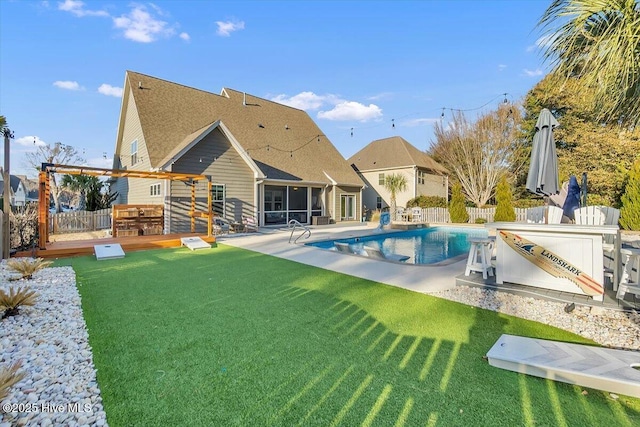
{"points": [[73, 248]]}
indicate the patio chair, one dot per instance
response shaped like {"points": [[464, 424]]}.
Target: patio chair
{"points": [[601, 215], [537, 215], [400, 214], [250, 223], [416, 214], [378, 254], [220, 226]]}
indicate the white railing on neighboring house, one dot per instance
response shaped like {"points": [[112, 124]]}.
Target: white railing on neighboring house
{"points": [[79, 221], [442, 215]]}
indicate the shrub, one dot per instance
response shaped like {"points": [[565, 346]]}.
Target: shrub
{"points": [[423, 201], [457, 210], [528, 203], [27, 267], [375, 216], [8, 378], [24, 227], [504, 209], [15, 299], [630, 210], [481, 221]]}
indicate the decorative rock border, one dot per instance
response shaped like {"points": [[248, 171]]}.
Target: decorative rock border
{"points": [[51, 341]]}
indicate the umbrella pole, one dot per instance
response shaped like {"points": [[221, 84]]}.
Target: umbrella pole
{"points": [[546, 209]]}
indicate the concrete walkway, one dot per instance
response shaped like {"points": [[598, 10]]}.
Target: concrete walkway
{"points": [[419, 278]]}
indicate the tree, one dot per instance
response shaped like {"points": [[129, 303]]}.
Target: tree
{"points": [[598, 41], [630, 211], [58, 154], [77, 184], [479, 153], [504, 197], [457, 209], [604, 151], [97, 198], [395, 184]]}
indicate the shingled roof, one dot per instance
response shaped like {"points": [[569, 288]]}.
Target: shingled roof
{"points": [[394, 152], [283, 141]]}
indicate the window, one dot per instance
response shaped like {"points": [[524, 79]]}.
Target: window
{"points": [[134, 152], [155, 189], [217, 199], [421, 175], [379, 203], [381, 178]]}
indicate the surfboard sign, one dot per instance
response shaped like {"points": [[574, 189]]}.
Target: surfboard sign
{"points": [[552, 263]]}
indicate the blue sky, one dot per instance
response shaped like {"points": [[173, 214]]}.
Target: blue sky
{"points": [[359, 65]]}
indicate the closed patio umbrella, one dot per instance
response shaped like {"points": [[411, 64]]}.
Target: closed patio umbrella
{"points": [[543, 170], [572, 202]]}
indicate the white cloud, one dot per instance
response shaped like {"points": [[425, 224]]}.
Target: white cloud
{"points": [[68, 85], [30, 141], [383, 95], [501, 67], [351, 110], [534, 73], [542, 43], [226, 28], [185, 37], [76, 8], [109, 90], [140, 26], [306, 100], [419, 122]]}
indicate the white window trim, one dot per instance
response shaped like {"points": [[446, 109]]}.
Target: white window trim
{"points": [[158, 191], [134, 153]]}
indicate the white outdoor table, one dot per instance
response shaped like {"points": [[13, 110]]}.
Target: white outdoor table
{"points": [[580, 245]]}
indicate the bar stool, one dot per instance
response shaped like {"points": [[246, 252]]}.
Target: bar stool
{"points": [[631, 260], [479, 257]]}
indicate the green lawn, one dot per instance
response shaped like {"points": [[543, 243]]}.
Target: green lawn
{"points": [[232, 337]]}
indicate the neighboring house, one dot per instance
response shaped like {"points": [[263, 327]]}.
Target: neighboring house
{"points": [[395, 155], [31, 188], [18, 191], [265, 160]]}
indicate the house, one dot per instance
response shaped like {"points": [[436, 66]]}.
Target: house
{"points": [[265, 160], [18, 191], [395, 155]]}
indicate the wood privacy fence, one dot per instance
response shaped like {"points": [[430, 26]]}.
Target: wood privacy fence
{"points": [[442, 215], [79, 221]]}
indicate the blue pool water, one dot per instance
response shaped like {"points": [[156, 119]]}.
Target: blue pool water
{"points": [[423, 246]]}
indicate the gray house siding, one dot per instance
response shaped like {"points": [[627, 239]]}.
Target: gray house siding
{"points": [[133, 190], [215, 157]]}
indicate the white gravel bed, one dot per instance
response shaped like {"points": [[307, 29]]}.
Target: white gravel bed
{"points": [[609, 328], [51, 341]]}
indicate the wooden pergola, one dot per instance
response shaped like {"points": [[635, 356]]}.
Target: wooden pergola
{"points": [[44, 193]]}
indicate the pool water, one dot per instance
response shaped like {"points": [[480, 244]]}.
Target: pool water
{"points": [[423, 246]]}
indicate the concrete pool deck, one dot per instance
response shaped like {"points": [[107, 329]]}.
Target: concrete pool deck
{"points": [[275, 242]]}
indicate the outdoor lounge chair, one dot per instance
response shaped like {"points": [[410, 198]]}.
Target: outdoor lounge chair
{"points": [[377, 253], [220, 226]]}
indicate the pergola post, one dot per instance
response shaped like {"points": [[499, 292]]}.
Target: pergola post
{"points": [[209, 208], [193, 207], [43, 209]]}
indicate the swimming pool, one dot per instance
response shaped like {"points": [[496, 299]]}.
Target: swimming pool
{"points": [[425, 246]]}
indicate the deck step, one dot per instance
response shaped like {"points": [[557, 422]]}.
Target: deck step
{"points": [[194, 243], [594, 367], [112, 251]]}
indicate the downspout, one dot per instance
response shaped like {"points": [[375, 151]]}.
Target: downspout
{"points": [[258, 212], [167, 206]]}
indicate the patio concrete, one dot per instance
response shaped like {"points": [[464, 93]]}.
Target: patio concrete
{"points": [[275, 242]]}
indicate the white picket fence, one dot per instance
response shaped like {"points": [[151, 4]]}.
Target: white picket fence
{"points": [[442, 215], [79, 221]]}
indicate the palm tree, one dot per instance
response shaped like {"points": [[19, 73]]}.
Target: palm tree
{"points": [[599, 42], [394, 184], [78, 184]]}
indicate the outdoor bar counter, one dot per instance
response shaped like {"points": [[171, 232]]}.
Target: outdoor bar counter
{"points": [[579, 245]]}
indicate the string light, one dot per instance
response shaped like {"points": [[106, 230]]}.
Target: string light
{"points": [[393, 125]]}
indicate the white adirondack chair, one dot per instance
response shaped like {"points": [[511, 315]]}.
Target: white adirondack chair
{"points": [[601, 215], [537, 215], [416, 214]]}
